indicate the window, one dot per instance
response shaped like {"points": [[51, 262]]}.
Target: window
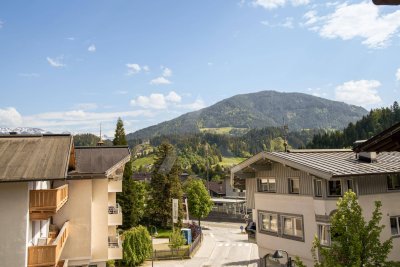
{"points": [[334, 188], [269, 221], [267, 185], [395, 225], [393, 182], [324, 234], [294, 185], [318, 188], [350, 185], [292, 226]]}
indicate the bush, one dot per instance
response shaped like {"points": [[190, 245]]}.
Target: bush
{"points": [[177, 239], [136, 246]]}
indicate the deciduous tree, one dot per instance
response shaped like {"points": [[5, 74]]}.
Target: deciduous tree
{"points": [[199, 200]]}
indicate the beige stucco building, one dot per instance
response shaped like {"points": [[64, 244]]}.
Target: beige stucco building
{"points": [[60, 201], [292, 194]]}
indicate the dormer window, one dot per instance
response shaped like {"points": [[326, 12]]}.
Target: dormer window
{"points": [[393, 182]]}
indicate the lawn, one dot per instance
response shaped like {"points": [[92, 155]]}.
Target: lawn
{"points": [[228, 162], [224, 130], [149, 160]]}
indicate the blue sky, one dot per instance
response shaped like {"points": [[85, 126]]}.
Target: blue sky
{"points": [[71, 65]]}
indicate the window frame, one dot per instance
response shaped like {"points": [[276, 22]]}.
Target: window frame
{"points": [[397, 218], [268, 214], [294, 219], [341, 188], [290, 183], [268, 184], [387, 183], [315, 188], [319, 232]]}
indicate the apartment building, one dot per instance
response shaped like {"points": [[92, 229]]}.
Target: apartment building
{"points": [[60, 201], [292, 194]]}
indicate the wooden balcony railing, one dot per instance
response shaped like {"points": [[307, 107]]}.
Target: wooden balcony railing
{"points": [[48, 255], [45, 203]]}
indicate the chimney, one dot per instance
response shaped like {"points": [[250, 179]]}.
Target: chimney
{"points": [[365, 156], [13, 133]]}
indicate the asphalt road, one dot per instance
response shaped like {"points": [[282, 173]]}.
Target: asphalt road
{"points": [[223, 245]]}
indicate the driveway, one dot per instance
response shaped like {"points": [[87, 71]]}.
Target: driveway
{"points": [[223, 245]]}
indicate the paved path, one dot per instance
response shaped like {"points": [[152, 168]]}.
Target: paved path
{"points": [[223, 245]]}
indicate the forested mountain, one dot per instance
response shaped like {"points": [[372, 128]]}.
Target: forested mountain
{"points": [[373, 123], [89, 140], [260, 110]]}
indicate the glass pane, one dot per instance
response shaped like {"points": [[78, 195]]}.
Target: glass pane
{"points": [[318, 188], [265, 222], [334, 188], [294, 186], [323, 231], [288, 226], [299, 228], [272, 185], [393, 226], [274, 222]]}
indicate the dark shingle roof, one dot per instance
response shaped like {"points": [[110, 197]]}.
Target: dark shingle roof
{"points": [[388, 140], [34, 157], [99, 159]]}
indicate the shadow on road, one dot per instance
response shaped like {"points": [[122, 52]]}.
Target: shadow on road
{"points": [[241, 263]]}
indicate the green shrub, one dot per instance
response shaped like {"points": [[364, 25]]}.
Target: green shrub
{"points": [[136, 246], [177, 239]]}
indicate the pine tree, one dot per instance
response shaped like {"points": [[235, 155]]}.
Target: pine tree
{"points": [[119, 136], [164, 186]]}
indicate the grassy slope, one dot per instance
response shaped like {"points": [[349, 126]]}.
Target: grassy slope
{"points": [[143, 161]]}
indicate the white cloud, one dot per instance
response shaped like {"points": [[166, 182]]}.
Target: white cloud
{"points": [[92, 48], [300, 2], [167, 72], [173, 97], [160, 80], [156, 100], [398, 74], [121, 92], [362, 20], [133, 68], [316, 92], [269, 4], [56, 62], [287, 23], [146, 68], [1, 24], [362, 92], [85, 106], [10, 117], [70, 38]]}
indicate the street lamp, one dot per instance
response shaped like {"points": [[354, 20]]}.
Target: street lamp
{"points": [[278, 255], [153, 234]]}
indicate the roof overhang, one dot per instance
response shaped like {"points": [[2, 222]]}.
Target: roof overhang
{"points": [[386, 2]]}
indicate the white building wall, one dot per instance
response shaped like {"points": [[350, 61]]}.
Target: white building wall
{"points": [[14, 210]]}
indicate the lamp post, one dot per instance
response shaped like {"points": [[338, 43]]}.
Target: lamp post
{"points": [[278, 255], [153, 234]]}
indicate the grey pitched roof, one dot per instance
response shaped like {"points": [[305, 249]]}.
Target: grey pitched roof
{"points": [[327, 163], [99, 159], [34, 157]]}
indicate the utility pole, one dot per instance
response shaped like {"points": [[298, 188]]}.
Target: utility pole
{"points": [[208, 182]]}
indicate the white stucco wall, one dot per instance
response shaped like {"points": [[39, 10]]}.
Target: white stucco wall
{"points": [[77, 211], [14, 210], [99, 229]]}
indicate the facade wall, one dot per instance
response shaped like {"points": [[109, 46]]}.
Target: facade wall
{"points": [[251, 189], [77, 210], [99, 215], [14, 210], [296, 205], [372, 184]]}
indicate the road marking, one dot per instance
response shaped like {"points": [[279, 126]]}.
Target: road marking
{"points": [[227, 245], [219, 245], [240, 244], [211, 234], [246, 245]]}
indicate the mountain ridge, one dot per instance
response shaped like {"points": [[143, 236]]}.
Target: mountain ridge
{"points": [[258, 110]]}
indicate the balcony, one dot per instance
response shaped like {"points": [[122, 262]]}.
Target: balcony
{"points": [[49, 254], [45, 203], [114, 248], [114, 215]]}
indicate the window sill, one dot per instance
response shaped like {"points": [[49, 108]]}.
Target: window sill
{"points": [[295, 238]]}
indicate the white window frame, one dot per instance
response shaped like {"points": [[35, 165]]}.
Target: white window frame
{"points": [[290, 180], [397, 223], [320, 227], [387, 182], [294, 224], [268, 184], [262, 214], [315, 188], [341, 188]]}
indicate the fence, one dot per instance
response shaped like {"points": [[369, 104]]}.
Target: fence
{"points": [[179, 253]]}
